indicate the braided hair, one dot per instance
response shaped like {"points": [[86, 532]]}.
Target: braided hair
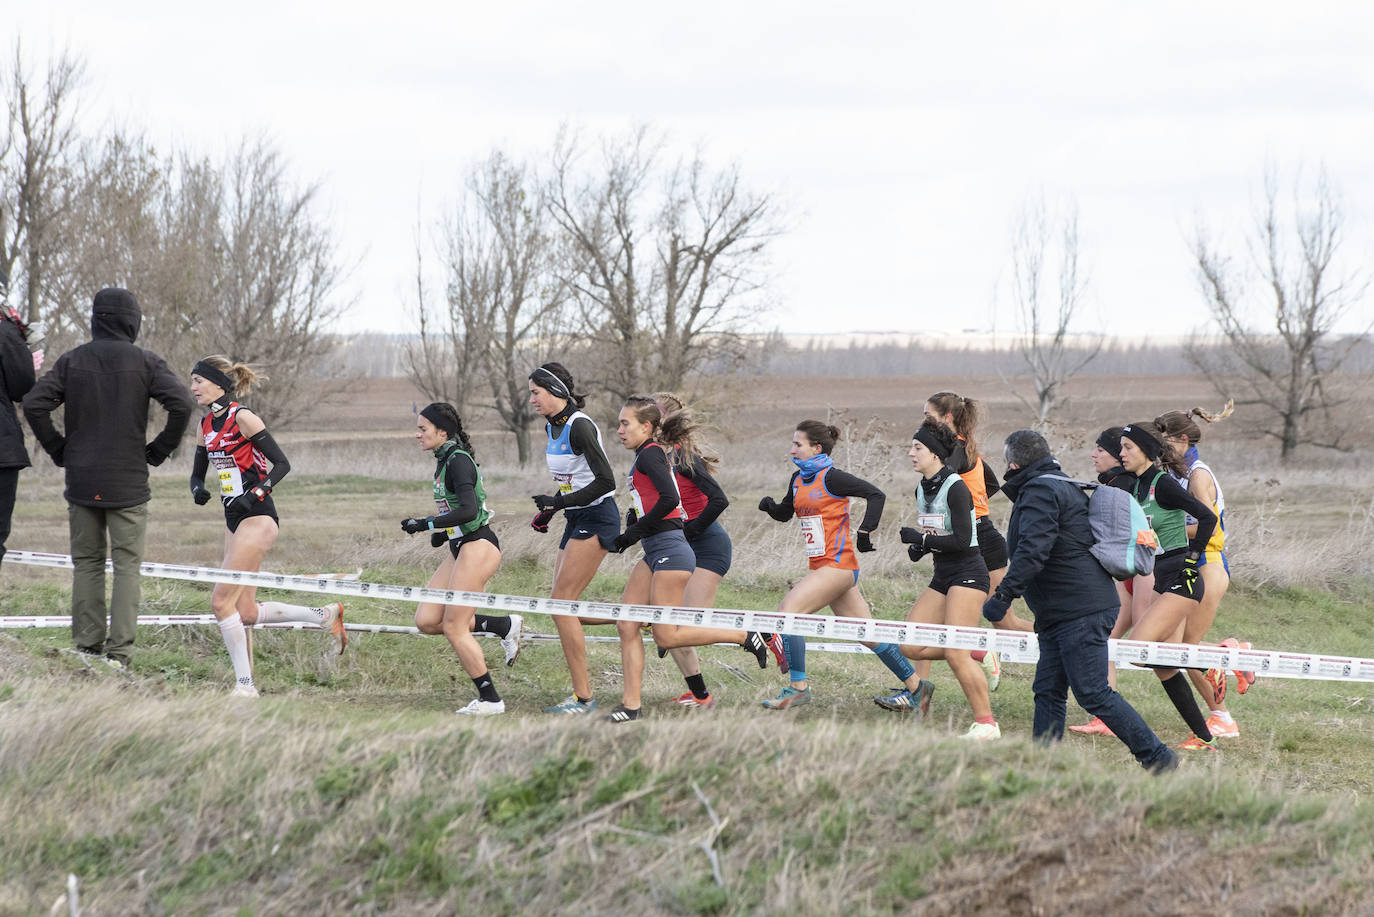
{"points": [[445, 417]]}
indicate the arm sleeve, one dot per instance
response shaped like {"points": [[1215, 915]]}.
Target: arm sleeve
{"points": [[16, 363], [46, 394], [990, 481], [842, 484], [582, 438], [199, 466], [460, 474], [960, 520], [169, 392], [784, 510], [716, 501], [1037, 519], [269, 448], [1171, 495], [653, 464]]}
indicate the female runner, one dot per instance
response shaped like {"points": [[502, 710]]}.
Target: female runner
{"points": [[473, 552], [1178, 586], [236, 442], [703, 501], [818, 494], [1183, 434], [661, 576], [946, 527], [586, 487]]}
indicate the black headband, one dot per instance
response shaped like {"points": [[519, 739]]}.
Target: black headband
{"points": [[213, 374], [429, 412], [1110, 445], [552, 383], [1152, 447], [926, 437]]}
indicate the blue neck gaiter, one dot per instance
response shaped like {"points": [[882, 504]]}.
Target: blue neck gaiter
{"points": [[813, 466]]}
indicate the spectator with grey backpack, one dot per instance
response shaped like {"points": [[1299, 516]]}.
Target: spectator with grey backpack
{"points": [[1050, 542]]}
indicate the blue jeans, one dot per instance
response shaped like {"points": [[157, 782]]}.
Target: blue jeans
{"points": [[1073, 654]]}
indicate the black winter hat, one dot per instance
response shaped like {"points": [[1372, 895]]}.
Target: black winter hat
{"points": [[115, 301]]}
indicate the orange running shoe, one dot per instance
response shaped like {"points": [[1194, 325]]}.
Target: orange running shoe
{"points": [[1216, 678], [1196, 744], [1243, 679], [692, 702], [1094, 727], [1220, 730]]}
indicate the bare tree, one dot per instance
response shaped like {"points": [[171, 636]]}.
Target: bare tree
{"points": [[667, 261], [502, 302], [1045, 307], [37, 147], [1289, 365]]}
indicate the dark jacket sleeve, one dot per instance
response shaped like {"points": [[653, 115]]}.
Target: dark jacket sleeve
{"points": [[44, 398], [582, 439], [460, 474], [1036, 512], [280, 466], [169, 391], [960, 520], [16, 363], [716, 501], [1171, 495], [842, 484]]}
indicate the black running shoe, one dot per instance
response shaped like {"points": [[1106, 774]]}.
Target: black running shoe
{"points": [[755, 643], [622, 714]]}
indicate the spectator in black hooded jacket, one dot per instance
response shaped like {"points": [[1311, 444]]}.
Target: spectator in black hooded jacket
{"points": [[104, 388], [1075, 603], [16, 378]]}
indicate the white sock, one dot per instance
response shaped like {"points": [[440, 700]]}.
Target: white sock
{"points": [[275, 612], [1224, 716], [236, 641]]}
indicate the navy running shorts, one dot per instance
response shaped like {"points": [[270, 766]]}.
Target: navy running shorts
{"points": [[713, 549], [600, 520], [668, 551]]}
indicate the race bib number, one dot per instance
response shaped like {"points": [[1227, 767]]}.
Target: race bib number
{"points": [[230, 478], [931, 523], [634, 496], [564, 482], [813, 535]]}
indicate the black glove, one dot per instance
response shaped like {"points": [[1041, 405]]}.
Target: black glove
{"points": [[548, 502], [915, 552], [412, 526], [622, 542], [255, 494], [631, 517], [540, 522], [153, 455], [1189, 575], [437, 538], [995, 608], [767, 505], [908, 535], [199, 493], [863, 543], [56, 452]]}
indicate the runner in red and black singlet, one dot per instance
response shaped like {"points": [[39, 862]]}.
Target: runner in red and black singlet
{"points": [[245, 463]]}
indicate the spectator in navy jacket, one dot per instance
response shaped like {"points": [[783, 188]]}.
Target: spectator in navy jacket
{"points": [[1072, 596]]}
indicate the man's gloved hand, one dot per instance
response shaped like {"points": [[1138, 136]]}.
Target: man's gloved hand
{"points": [[995, 608]]}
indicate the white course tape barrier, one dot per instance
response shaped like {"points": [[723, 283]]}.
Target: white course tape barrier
{"points": [[1012, 645]]}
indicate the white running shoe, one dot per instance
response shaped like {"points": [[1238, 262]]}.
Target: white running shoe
{"points": [[511, 641], [479, 707], [244, 691], [992, 667], [981, 731], [333, 624]]}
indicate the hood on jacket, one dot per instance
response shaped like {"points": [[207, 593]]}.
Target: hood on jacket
{"points": [[115, 316], [1015, 478]]}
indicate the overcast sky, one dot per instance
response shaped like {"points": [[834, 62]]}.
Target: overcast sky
{"points": [[904, 138]]}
